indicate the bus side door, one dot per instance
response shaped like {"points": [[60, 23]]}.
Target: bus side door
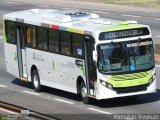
{"points": [[21, 51], [90, 67]]}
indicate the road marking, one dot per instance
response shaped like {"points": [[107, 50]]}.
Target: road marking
{"points": [[8, 111], [65, 101], [48, 97], [101, 12], [158, 36], [43, 6], [32, 93], [12, 3], [100, 111], [4, 86], [131, 15], [1, 36], [156, 18], [158, 66]]}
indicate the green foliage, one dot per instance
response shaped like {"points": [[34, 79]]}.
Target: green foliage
{"points": [[3, 118]]}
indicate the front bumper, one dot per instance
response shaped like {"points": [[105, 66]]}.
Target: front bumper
{"points": [[105, 93]]}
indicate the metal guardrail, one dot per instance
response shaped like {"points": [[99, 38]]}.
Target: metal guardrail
{"points": [[25, 114]]}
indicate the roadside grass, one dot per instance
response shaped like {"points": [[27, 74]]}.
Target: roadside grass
{"points": [[141, 3]]}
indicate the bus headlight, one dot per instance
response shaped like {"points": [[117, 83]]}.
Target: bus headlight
{"points": [[105, 84]]}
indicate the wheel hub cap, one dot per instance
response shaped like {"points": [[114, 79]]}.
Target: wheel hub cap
{"points": [[35, 81]]}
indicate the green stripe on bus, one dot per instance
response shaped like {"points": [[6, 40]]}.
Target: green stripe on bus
{"points": [[75, 30], [129, 80], [123, 23], [4, 34], [83, 70], [53, 65], [15, 56], [121, 27]]}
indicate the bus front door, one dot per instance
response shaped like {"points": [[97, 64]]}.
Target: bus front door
{"points": [[90, 66], [21, 52]]}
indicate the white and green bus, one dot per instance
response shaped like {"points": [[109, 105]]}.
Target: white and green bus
{"points": [[79, 52]]}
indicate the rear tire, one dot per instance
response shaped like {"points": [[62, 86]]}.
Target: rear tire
{"points": [[36, 81], [85, 98]]}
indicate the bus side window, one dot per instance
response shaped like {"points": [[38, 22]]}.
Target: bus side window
{"points": [[77, 45], [66, 43], [31, 36], [42, 38], [34, 38], [10, 32], [53, 40]]}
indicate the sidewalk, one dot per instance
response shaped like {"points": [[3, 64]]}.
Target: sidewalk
{"points": [[133, 10]]}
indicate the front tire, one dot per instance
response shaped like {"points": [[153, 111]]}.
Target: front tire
{"points": [[85, 98], [36, 81]]}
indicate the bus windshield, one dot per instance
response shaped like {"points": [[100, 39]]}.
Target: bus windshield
{"points": [[128, 56]]}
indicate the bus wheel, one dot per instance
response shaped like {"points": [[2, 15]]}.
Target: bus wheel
{"points": [[36, 81], [85, 98]]}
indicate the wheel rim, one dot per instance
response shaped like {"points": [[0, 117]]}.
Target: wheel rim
{"points": [[84, 92], [35, 81]]}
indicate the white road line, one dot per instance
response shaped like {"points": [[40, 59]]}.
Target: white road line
{"points": [[158, 66], [131, 15], [100, 111], [32, 93], [1, 36], [101, 12], [156, 18], [43, 6], [158, 36], [8, 111], [65, 101], [12, 2], [4, 86]]}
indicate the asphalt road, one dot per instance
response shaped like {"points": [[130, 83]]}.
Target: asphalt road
{"points": [[56, 102]]}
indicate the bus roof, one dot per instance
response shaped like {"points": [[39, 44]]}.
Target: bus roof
{"points": [[70, 20]]}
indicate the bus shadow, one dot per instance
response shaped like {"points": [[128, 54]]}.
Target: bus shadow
{"points": [[128, 101], [20, 83], [61, 93], [48, 90], [109, 103]]}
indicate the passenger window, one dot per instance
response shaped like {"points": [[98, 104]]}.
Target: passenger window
{"points": [[31, 36], [10, 32], [34, 38], [77, 45], [42, 38], [53, 40], [66, 43]]}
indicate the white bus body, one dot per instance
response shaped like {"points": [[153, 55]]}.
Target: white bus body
{"points": [[96, 59]]}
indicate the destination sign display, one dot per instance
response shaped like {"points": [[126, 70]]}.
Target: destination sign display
{"points": [[124, 34]]}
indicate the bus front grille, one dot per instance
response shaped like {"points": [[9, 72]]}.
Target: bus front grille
{"points": [[131, 89]]}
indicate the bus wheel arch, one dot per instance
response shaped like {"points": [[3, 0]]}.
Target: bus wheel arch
{"points": [[35, 78]]}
